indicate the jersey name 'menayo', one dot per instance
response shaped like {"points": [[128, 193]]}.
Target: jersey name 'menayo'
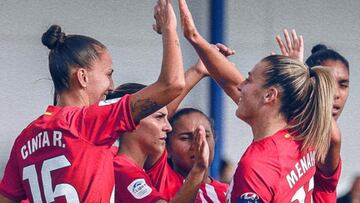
{"points": [[300, 168], [42, 140]]}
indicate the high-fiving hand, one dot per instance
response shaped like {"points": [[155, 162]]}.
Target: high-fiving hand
{"points": [[294, 46], [187, 22], [164, 16]]}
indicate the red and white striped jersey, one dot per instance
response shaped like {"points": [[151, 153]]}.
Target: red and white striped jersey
{"points": [[168, 182]]}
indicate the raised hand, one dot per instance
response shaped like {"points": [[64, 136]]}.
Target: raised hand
{"points": [[200, 67], [294, 46], [220, 68], [201, 149], [164, 16], [224, 50], [187, 22]]}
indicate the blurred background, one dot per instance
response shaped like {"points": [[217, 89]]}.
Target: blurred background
{"points": [[125, 27]]}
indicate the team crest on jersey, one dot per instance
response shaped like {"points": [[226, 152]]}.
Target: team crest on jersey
{"points": [[139, 189], [249, 197], [109, 101]]}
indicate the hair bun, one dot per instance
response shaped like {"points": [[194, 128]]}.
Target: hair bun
{"points": [[52, 37], [318, 47]]}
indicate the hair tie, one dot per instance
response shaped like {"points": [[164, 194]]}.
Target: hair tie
{"points": [[311, 72], [62, 37]]}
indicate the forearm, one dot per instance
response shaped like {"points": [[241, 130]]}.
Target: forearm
{"points": [[172, 72], [190, 187], [220, 68], [332, 160], [192, 77]]}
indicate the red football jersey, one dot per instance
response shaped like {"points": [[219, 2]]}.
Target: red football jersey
{"points": [[132, 184], [274, 169], [64, 156], [325, 186], [168, 182]]}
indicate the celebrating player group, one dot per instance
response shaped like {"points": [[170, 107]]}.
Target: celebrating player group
{"points": [[132, 143]]}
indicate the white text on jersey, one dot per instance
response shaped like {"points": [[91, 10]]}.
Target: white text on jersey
{"points": [[300, 168], [42, 140]]}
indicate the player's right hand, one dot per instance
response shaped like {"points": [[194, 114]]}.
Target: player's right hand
{"points": [[164, 16], [201, 149]]}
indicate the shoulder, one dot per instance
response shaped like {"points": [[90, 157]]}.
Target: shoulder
{"points": [[160, 164], [260, 163], [219, 185], [260, 154], [125, 168]]}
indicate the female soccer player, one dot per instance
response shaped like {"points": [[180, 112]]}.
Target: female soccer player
{"points": [[132, 184], [289, 110], [64, 154], [328, 173], [168, 179]]}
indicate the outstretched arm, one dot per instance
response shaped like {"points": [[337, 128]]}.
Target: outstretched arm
{"points": [[220, 68], [171, 80], [193, 75], [328, 173]]}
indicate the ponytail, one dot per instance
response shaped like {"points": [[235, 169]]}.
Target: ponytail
{"points": [[314, 123], [306, 97]]}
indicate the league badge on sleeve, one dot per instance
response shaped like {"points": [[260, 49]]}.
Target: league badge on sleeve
{"points": [[139, 189], [249, 197]]}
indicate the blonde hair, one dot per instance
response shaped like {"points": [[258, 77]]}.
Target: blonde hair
{"points": [[307, 97]]}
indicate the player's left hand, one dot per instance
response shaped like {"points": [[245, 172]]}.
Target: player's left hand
{"points": [[294, 47], [224, 50]]}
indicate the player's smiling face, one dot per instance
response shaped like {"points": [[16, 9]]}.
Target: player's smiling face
{"points": [[151, 131], [251, 91], [180, 141], [99, 77]]}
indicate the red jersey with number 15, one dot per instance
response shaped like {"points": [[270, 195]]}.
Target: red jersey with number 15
{"points": [[64, 155], [274, 169]]}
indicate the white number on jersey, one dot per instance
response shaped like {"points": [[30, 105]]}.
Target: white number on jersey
{"points": [[62, 189], [300, 194]]}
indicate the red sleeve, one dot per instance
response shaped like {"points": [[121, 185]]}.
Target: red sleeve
{"points": [[325, 186], [10, 185], [103, 122], [255, 178], [134, 186], [164, 178]]}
